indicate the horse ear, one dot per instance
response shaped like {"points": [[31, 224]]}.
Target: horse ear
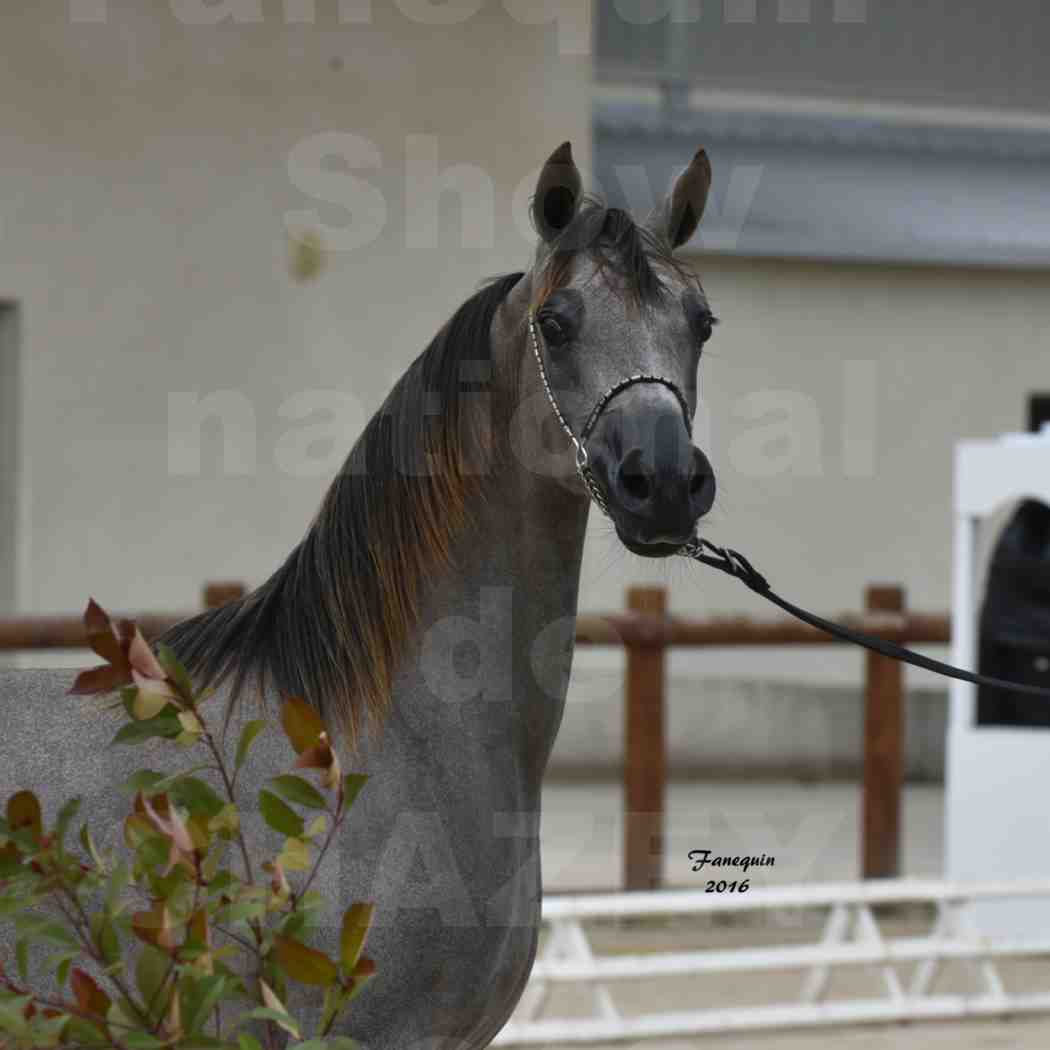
{"points": [[680, 214], [557, 193]]}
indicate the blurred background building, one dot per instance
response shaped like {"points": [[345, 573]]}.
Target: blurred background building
{"points": [[174, 401]]}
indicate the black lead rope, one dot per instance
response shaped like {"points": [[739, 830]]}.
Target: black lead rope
{"points": [[735, 564]]}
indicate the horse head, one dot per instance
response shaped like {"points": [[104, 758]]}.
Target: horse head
{"points": [[615, 327]]}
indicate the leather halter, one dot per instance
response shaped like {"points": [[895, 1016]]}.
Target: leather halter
{"points": [[583, 463], [732, 562]]}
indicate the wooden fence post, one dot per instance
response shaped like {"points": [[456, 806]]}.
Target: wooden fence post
{"points": [[644, 765], [219, 592], [883, 749]]}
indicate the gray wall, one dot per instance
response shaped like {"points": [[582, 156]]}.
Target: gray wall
{"points": [[958, 53], [743, 726]]}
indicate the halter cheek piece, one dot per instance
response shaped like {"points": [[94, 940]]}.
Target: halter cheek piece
{"points": [[733, 562], [583, 463]]}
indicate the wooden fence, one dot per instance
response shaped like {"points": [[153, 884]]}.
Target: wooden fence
{"points": [[646, 631]]}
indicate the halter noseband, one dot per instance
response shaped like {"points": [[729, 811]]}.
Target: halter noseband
{"points": [[583, 463]]}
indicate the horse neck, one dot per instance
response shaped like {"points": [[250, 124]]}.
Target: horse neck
{"points": [[511, 590]]}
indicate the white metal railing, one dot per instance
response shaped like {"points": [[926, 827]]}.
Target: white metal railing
{"points": [[850, 937]]}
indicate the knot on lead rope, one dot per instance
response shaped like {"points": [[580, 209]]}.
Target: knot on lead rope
{"points": [[728, 560]]}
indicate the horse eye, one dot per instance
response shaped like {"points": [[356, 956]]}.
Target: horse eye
{"points": [[552, 330], [706, 328]]}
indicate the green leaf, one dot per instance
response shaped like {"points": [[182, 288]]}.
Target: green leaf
{"points": [[296, 789], [221, 881], [66, 816], [356, 921], [334, 999], [294, 855], [280, 816], [294, 923], [46, 927], [105, 934], [200, 1001], [116, 885], [10, 866], [166, 724], [303, 964], [46, 1031], [144, 780], [11, 904], [352, 784], [149, 704], [142, 1041], [174, 670], [151, 970], [197, 796], [85, 1033], [11, 1019], [248, 1042], [266, 1013], [248, 734], [241, 911], [59, 964]]}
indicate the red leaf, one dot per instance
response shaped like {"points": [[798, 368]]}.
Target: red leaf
{"points": [[103, 637], [90, 998], [301, 723], [141, 657], [102, 679], [23, 811], [155, 926]]}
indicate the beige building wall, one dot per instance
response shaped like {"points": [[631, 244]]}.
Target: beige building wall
{"points": [[151, 166]]}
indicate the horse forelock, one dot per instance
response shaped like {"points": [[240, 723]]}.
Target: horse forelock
{"points": [[618, 247]]}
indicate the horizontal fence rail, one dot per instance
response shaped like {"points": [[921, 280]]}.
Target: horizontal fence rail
{"points": [[646, 631], [36, 633], [850, 937]]}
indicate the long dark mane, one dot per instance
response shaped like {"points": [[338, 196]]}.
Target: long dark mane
{"points": [[329, 624]]}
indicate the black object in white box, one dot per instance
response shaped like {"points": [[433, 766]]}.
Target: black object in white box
{"points": [[1015, 620]]}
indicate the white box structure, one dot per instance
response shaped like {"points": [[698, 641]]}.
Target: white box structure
{"points": [[997, 798]]}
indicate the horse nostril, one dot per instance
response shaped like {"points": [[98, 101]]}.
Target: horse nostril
{"points": [[636, 486], [701, 484]]}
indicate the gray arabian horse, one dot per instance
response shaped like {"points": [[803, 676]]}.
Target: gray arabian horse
{"points": [[429, 610]]}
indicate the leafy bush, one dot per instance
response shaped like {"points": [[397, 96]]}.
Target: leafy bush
{"points": [[147, 941]]}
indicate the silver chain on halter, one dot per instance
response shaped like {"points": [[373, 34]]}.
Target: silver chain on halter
{"points": [[583, 463]]}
